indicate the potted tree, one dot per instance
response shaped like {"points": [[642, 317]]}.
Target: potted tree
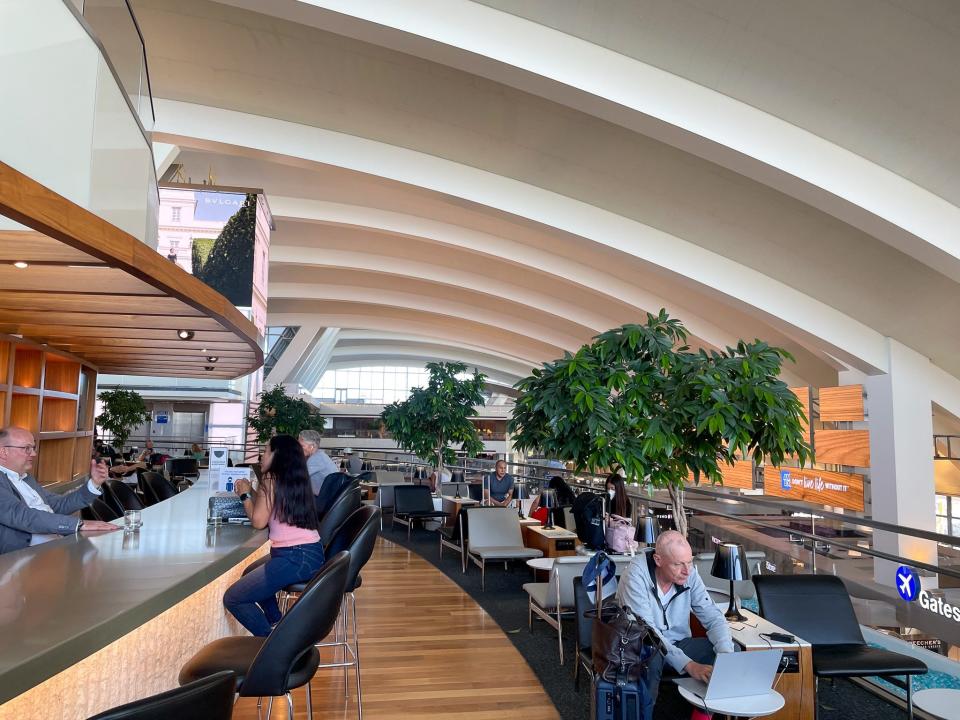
{"points": [[123, 410], [279, 414], [640, 400], [434, 418]]}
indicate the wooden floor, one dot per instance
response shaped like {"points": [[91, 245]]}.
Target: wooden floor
{"points": [[427, 650]]}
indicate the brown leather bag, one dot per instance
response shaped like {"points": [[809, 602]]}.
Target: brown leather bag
{"points": [[617, 642]]}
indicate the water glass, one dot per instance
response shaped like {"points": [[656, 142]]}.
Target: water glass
{"points": [[131, 520], [213, 516]]}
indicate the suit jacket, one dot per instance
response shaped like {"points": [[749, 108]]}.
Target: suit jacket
{"points": [[18, 521]]}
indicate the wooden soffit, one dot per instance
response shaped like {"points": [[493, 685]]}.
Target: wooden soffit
{"points": [[92, 290]]}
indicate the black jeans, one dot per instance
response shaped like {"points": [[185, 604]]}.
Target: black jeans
{"points": [[698, 649]]}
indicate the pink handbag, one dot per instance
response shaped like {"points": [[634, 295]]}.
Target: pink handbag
{"points": [[620, 534]]}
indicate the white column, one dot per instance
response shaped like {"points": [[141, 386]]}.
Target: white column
{"points": [[901, 455]]}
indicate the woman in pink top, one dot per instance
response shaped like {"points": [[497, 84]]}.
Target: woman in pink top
{"points": [[285, 503]]}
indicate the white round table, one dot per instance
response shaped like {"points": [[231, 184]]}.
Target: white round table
{"points": [[748, 706], [542, 563], [942, 702]]}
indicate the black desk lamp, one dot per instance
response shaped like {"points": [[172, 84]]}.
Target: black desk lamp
{"points": [[730, 563], [647, 530], [548, 500]]}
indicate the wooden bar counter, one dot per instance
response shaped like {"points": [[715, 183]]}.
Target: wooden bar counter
{"points": [[90, 622]]}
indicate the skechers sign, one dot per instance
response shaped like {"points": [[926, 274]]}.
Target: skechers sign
{"points": [[908, 585]]}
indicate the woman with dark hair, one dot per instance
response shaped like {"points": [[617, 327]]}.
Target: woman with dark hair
{"points": [[617, 501], [284, 503], [563, 493]]}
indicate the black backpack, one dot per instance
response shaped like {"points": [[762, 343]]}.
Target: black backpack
{"points": [[588, 514]]}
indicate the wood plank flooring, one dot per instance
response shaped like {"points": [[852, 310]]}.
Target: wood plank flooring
{"points": [[427, 650]]}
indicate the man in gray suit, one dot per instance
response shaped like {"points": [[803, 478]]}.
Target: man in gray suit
{"points": [[29, 515]]}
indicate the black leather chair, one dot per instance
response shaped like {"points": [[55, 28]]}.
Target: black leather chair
{"points": [[100, 510], [334, 485], [817, 608], [178, 468], [287, 658], [342, 508], [209, 698], [412, 503], [357, 536], [121, 496], [156, 488], [367, 476]]}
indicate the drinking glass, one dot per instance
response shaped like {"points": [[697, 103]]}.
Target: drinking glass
{"points": [[131, 520]]}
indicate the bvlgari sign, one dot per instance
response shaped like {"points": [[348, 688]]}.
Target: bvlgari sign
{"points": [[815, 486]]}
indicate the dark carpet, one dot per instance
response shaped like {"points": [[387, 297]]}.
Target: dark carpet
{"points": [[506, 602]]}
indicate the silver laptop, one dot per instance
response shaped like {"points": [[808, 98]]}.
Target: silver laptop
{"points": [[737, 674]]}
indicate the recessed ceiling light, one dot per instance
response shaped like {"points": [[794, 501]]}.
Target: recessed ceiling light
{"points": [[204, 350], [212, 358], [20, 264], [185, 334], [208, 367]]}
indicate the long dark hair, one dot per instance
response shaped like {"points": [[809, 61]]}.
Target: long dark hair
{"points": [[565, 495], [621, 503], [293, 501]]}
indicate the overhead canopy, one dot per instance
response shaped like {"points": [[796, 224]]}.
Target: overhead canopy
{"points": [[90, 289]]}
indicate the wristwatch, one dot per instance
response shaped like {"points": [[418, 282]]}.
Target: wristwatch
{"points": [[244, 496]]}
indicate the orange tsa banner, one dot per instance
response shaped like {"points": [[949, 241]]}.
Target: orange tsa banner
{"points": [[814, 486]]}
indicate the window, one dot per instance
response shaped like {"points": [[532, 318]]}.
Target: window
{"points": [[370, 385], [174, 243], [948, 514], [175, 214]]}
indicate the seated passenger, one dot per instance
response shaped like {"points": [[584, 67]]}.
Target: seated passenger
{"points": [[663, 587], [285, 504], [319, 464], [501, 484], [617, 501], [564, 498]]}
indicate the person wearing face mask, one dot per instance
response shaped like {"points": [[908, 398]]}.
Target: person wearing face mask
{"points": [[617, 501]]}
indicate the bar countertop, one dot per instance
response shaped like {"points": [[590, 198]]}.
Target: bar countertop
{"points": [[64, 600]]}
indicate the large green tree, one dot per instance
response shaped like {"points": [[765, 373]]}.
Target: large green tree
{"points": [[437, 417], [123, 410], [228, 268], [639, 399], [279, 414]]}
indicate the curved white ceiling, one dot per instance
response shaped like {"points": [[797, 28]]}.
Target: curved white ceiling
{"points": [[512, 187]]}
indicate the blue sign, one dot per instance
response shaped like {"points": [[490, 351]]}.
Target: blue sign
{"points": [[908, 584], [785, 479], [217, 205], [162, 419]]}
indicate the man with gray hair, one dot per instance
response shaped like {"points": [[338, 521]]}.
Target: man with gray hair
{"points": [[319, 464], [663, 587]]}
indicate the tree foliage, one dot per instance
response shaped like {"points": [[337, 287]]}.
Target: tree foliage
{"points": [[435, 418], [279, 414], [123, 410], [637, 398], [229, 266], [199, 252]]}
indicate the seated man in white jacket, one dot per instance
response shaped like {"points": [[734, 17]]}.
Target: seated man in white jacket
{"points": [[663, 587]]}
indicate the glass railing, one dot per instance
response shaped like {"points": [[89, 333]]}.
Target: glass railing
{"points": [[115, 27], [902, 604]]}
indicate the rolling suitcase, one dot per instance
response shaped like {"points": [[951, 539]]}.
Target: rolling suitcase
{"points": [[619, 689]]}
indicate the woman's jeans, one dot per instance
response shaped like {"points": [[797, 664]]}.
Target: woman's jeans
{"points": [[252, 599]]}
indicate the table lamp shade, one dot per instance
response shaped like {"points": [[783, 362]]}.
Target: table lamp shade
{"points": [[647, 529], [548, 500], [730, 562]]}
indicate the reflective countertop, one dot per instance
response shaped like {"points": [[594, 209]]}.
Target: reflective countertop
{"points": [[66, 599]]}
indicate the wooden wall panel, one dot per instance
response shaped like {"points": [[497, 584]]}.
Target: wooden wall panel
{"points": [[841, 404], [739, 475], [803, 393], [844, 447], [815, 486]]}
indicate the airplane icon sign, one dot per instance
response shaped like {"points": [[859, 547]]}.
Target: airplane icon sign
{"points": [[908, 585]]}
